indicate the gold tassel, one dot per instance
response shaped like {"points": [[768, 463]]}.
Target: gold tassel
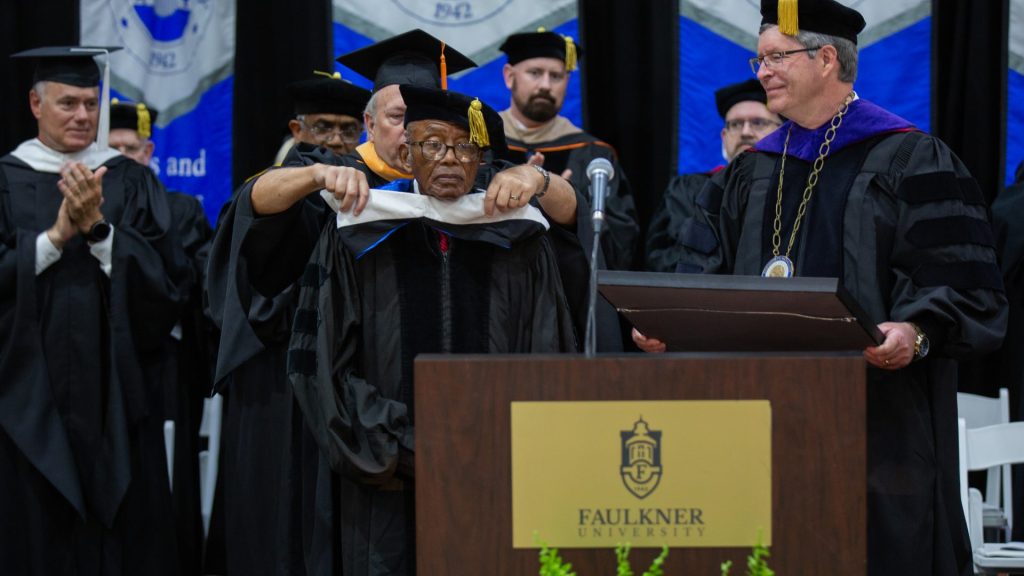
{"points": [[444, 70], [145, 126], [335, 75], [477, 127], [570, 54], [789, 23]]}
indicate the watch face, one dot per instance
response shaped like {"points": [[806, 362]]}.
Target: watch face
{"points": [[923, 347], [99, 231]]}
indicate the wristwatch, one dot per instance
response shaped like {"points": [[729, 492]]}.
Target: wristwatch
{"points": [[921, 343], [99, 231], [547, 181]]}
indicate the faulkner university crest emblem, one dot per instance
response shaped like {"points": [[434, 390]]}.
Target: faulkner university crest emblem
{"points": [[641, 459]]}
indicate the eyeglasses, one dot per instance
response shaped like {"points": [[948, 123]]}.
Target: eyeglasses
{"points": [[326, 130], [756, 124], [435, 150], [774, 59], [129, 149]]}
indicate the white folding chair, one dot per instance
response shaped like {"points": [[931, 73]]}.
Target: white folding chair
{"points": [[979, 411], [981, 449], [169, 450], [209, 428]]}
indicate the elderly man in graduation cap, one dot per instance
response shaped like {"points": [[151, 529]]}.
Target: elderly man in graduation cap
{"points": [[270, 230], [93, 276], [423, 269], [276, 218], [857, 193]]}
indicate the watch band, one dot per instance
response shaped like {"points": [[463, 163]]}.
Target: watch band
{"points": [[920, 342], [547, 181]]}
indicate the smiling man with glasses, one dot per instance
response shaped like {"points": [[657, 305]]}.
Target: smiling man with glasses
{"points": [[845, 189]]}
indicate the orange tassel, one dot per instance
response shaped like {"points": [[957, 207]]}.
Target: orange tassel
{"points": [[444, 70]]}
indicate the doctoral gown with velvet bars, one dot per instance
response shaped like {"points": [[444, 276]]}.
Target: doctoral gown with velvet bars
{"points": [[83, 475], [898, 218], [359, 325]]}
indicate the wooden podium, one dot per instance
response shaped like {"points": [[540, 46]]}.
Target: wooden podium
{"points": [[463, 454]]}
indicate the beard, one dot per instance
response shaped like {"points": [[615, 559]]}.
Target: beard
{"points": [[540, 107], [739, 147]]}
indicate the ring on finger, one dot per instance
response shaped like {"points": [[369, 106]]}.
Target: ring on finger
{"points": [[514, 197]]}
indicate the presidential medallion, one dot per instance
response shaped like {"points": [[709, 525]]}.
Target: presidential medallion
{"points": [[778, 267]]}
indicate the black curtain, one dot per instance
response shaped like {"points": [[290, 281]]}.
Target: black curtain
{"points": [[277, 43], [630, 82], [28, 24], [969, 64]]}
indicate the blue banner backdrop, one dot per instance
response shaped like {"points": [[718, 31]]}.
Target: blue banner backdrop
{"points": [[717, 37], [475, 28], [178, 58], [1015, 92]]}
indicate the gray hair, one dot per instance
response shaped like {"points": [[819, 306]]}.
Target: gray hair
{"points": [[846, 51], [371, 105], [40, 89]]}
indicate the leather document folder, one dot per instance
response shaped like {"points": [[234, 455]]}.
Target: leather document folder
{"points": [[712, 313]]}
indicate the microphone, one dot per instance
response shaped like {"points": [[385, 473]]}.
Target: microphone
{"points": [[599, 172]]}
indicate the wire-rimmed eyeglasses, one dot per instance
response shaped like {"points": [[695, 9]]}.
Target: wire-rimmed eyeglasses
{"points": [[774, 59], [435, 150], [327, 130]]}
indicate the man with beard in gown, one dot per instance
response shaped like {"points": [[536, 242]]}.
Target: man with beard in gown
{"points": [[537, 76], [93, 277], [845, 189]]}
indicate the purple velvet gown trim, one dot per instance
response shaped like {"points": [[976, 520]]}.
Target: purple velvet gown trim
{"points": [[862, 121]]}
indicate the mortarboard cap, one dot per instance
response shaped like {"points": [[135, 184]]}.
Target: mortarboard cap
{"points": [[413, 57], [821, 16], [541, 44], [73, 65], [731, 95], [328, 94], [132, 116], [484, 124]]}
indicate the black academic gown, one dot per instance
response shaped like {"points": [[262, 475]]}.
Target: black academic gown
{"points": [[361, 322], [187, 377], [621, 240], [618, 241], [678, 205], [270, 472], [254, 325], [83, 474], [898, 218]]}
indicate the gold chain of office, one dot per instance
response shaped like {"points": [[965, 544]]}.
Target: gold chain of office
{"points": [[812, 179]]}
